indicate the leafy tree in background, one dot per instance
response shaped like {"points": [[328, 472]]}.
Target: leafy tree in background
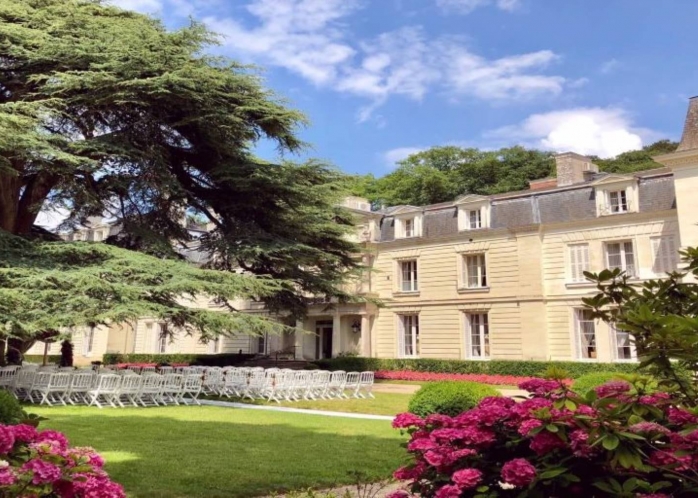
{"points": [[104, 110]]}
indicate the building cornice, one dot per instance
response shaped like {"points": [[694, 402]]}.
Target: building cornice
{"points": [[679, 160]]}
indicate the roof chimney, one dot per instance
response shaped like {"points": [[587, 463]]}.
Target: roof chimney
{"points": [[689, 139], [573, 168]]}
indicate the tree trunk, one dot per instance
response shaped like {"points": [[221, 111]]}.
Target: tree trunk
{"points": [[44, 362]]}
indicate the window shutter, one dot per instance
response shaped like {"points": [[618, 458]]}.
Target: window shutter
{"points": [[468, 337], [400, 336], [585, 261], [417, 226], [574, 267], [577, 335]]}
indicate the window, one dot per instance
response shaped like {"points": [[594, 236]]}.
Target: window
{"points": [[579, 262], [214, 346], [585, 335], [262, 344], [162, 339], [409, 276], [409, 227], [88, 341], [475, 271], [620, 255], [474, 219], [477, 337], [408, 336], [623, 348], [666, 255], [618, 201]]}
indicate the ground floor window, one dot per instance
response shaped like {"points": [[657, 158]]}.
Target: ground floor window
{"points": [[262, 344], [88, 341], [408, 336], [477, 335], [623, 347], [585, 335], [215, 345], [162, 338]]}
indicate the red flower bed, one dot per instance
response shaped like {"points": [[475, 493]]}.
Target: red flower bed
{"points": [[497, 380]]}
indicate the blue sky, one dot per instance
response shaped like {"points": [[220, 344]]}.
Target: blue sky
{"points": [[382, 78]]}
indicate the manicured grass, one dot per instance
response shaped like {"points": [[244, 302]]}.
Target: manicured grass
{"points": [[383, 404], [222, 452]]}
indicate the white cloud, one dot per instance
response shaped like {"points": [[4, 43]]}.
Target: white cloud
{"points": [[467, 6], [609, 66], [311, 38], [394, 156], [605, 132]]}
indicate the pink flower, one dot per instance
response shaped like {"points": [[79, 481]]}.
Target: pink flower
{"points": [[438, 419], [448, 491], [545, 442], [406, 420], [499, 401], [528, 425], [518, 472], [407, 473], [464, 453], [398, 494], [42, 472], [540, 387], [666, 459], [612, 388], [467, 478], [98, 487], [654, 399], [586, 411], [53, 437], [579, 444], [7, 477], [89, 455], [681, 417], [421, 445], [7, 439], [648, 427], [526, 408], [25, 433], [436, 458], [490, 414]]}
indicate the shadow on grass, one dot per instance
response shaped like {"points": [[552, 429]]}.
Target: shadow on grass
{"points": [[221, 452]]}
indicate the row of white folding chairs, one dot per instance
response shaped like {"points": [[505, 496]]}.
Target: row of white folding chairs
{"points": [[106, 388]]}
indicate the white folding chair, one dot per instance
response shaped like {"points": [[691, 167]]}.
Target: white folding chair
{"points": [[351, 385], [255, 384], [335, 389], [107, 389], [234, 383], [129, 389], [23, 382], [39, 387], [58, 387], [191, 388], [366, 385], [213, 381], [166, 370], [171, 388], [7, 376], [150, 389], [145, 370], [80, 385]]}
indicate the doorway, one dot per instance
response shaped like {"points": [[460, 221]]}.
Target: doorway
{"points": [[323, 339]]}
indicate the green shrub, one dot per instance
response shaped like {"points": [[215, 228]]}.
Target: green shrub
{"points": [[494, 367], [66, 354], [587, 382], [52, 359], [449, 398], [11, 412], [209, 360]]}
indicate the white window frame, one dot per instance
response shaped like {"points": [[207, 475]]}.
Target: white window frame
{"points": [[477, 326], [480, 209], [410, 269], [88, 341], [415, 226], [582, 321], [480, 278], [408, 227], [476, 223], [621, 203], [408, 322], [215, 345], [623, 254], [261, 346], [665, 254], [579, 262], [615, 335], [162, 338]]}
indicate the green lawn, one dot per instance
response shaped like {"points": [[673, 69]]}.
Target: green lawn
{"points": [[383, 404], [222, 452]]}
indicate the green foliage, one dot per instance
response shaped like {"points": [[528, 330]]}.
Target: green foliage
{"points": [[636, 160], [573, 369], [211, 360], [449, 398], [52, 359], [586, 383], [66, 354], [11, 412], [662, 318]]}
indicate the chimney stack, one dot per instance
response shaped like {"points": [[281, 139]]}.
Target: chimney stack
{"points": [[689, 139], [573, 168]]}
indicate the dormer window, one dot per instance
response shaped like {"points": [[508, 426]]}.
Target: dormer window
{"points": [[408, 226], [473, 212], [618, 201], [475, 219]]}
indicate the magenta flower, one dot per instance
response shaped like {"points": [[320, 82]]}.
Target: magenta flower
{"points": [[407, 420], [612, 389], [42, 472], [7, 477], [25, 433], [648, 428], [421, 445], [438, 419], [448, 491], [681, 417], [98, 487], [53, 437], [528, 425], [540, 387], [518, 472], [7, 439], [467, 478], [545, 442]]}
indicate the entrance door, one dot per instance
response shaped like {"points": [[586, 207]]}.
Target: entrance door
{"points": [[323, 339]]}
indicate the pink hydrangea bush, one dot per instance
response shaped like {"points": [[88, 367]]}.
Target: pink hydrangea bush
{"points": [[42, 464], [620, 440]]}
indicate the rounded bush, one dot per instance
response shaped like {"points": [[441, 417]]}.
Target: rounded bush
{"points": [[587, 382], [449, 398], [11, 411]]}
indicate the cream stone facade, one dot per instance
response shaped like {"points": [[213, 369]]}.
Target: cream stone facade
{"points": [[486, 277]]}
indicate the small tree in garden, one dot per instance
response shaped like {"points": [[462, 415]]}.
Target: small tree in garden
{"points": [[66, 353], [662, 318]]}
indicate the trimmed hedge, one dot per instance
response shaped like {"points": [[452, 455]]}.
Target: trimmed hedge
{"points": [[39, 358], [587, 382], [11, 412], [494, 367], [209, 360], [449, 398]]}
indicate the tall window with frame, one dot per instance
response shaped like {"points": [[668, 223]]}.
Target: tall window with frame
{"points": [[162, 338], [665, 255], [621, 255], [88, 341], [584, 335], [262, 344], [408, 227], [618, 201], [408, 336], [215, 345], [579, 262], [474, 219], [623, 347], [408, 276], [475, 271], [477, 338]]}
